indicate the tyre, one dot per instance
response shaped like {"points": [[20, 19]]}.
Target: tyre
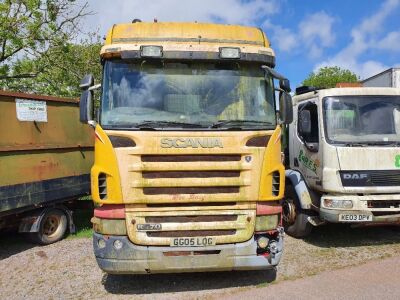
{"points": [[295, 219], [52, 228]]}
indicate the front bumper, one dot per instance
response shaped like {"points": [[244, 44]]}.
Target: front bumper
{"points": [[134, 259], [381, 215]]}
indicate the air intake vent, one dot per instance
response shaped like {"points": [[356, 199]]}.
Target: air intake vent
{"points": [[275, 183], [121, 141], [102, 186], [258, 141]]}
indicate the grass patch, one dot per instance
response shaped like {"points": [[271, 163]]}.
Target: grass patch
{"points": [[82, 223]]}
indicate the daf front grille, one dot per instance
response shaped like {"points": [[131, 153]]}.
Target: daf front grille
{"points": [[370, 178]]}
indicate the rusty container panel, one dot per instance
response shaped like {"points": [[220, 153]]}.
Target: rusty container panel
{"points": [[44, 157]]}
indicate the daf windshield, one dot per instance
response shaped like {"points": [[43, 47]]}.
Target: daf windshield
{"points": [[211, 95], [362, 119]]}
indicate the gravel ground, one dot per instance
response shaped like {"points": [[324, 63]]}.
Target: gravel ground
{"points": [[68, 270]]}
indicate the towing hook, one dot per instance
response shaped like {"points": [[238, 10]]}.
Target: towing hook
{"points": [[281, 231]]}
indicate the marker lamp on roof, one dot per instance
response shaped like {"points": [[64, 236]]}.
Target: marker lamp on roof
{"points": [[229, 53], [151, 51]]}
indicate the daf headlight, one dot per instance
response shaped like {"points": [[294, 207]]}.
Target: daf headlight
{"points": [[334, 203], [264, 223]]}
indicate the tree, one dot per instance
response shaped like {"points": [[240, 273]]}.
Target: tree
{"points": [[328, 77], [58, 71], [34, 34]]}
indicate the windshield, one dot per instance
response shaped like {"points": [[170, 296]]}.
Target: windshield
{"points": [[185, 95], [362, 119]]}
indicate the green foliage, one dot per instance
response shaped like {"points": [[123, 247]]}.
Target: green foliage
{"points": [[37, 49], [328, 77], [59, 71]]}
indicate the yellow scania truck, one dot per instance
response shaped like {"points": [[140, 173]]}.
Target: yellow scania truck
{"points": [[188, 169]]}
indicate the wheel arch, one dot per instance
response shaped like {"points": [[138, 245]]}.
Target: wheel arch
{"points": [[31, 222], [304, 195]]}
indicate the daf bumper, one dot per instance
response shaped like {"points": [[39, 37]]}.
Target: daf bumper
{"points": [[134, 259], [369, 209]]}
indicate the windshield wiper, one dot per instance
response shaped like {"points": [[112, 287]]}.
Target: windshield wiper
{"points": [[383, 143], [355, 144], [157, 124], [376, 143], [238, 123]]}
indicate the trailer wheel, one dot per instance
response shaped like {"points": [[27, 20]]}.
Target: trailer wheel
{"points": [[52, 228], [294, 217]]}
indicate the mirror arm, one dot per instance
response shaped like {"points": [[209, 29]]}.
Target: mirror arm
{"points": [[94, 87], [273, 73]]}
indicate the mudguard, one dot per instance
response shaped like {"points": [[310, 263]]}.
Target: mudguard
{"points": [[31, 222], [300, 186]]}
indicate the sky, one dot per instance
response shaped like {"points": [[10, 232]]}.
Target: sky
{"points": [[360, 35]]}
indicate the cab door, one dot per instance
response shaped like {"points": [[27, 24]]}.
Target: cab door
{"points": [[306, 145]]}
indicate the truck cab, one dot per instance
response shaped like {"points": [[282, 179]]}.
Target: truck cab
{"points": [[188, 172], [343, 158]]}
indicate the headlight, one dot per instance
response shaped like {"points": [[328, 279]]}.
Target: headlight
{"points": [[118, 244], [101, 243], [264, 223], [262, 242], [331, 203]]}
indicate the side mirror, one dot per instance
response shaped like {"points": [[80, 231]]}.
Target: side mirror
{"points": [[87, 82], [285, 108], [305, 122], [86, 100], [284, 84]]}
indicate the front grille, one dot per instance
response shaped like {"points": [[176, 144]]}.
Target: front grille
{"points": [[190, 174], [186, 219], [191, 233], [383, 204], [385, 178], [370, 178], [190, 158], [227, 223], [200, 177], [385, 213], [190, 190], [179, 205], [189, 253]]}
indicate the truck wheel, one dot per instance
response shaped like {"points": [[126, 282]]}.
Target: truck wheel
{"points": [[52, 228], [294, 217]]}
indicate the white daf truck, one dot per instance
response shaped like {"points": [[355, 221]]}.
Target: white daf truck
{"points": [[343, 158]]}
